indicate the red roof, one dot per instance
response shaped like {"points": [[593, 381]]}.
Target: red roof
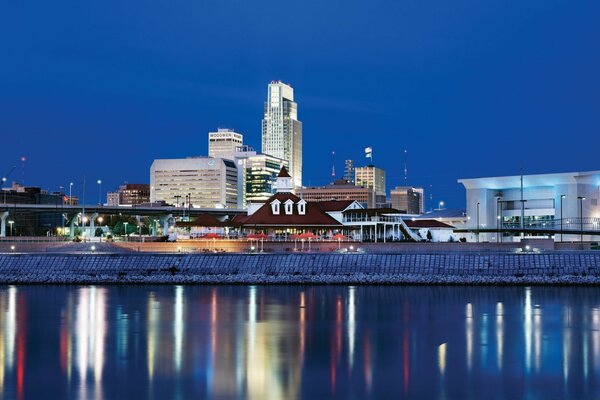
{"points": [[314, 215], [206, 220], [426, 223], [334, 205], [283, 173]]}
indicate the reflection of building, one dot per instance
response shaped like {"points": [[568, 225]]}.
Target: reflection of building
{"points": [[281, 130], [129, 194], [374, 178], [257, 174], [201, 182], [408, 199], [223, 143], [340, 190], [500, 200]]}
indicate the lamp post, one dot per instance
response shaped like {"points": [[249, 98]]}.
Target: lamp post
{"points": [[477, 222], [581, 199], [441, 205], [99, 182], [70, 193], [11, 223], [562, 196], [125, 225]]}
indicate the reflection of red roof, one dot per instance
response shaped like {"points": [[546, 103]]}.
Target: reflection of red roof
{"points": [[264, 215], [426, 223], [283, 173], [334, 205]]}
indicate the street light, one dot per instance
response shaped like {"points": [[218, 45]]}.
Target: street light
{"points": [[70, 192], [562, 196], [581, 199], [99, 182], [11, 223], [477, 222], [441, 205]]}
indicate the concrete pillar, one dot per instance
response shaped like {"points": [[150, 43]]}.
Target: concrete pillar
{"points": [[93, 225], [3, 218], [72, 226], [165, 221]]}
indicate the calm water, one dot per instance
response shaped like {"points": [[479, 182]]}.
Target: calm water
{"points": [[183, 342]]}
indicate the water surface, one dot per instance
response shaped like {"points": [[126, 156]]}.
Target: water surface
{"points": [[299, 342]]}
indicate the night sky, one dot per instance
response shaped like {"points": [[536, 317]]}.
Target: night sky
{"points": [[470, 88]]}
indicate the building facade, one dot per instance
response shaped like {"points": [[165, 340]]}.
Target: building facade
{"points": [[129, 194], [340, 190], [257, 175], [349, 171], [563, 201], [407, 198], [199, 182], [224, 143], [374, 178], [281, 130]]}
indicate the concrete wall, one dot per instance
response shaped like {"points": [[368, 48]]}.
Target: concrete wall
{"points": [[550, 268]]}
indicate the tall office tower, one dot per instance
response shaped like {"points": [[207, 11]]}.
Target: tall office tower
{"points": [[408, 198], [349, 171], [374, 178], [281, 130], [224, 143], [200, 182]]}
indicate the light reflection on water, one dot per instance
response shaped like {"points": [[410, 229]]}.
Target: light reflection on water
{"points": [[302, 342]]}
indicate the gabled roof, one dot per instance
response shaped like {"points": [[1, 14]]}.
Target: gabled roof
{"points": [[335, 205], [426, 223], [314, 216], [208, 221], [374, 211], [283, 173]]}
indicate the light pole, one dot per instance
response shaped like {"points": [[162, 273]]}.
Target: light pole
{"points": [[562, 196], [70, 193], [441, 205], [581, 199], [11, 223], [125, 224], [477, 222], [99, 182]]}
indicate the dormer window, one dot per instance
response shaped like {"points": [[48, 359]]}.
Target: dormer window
{"points": [[302, 207], [275, 206], [289, 207]]}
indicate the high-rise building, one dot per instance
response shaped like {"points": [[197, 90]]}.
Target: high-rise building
{"points": [[257, 175], [408, 198], [281, 130], [349, 171], [201, 182], [340, 190], [129, 194], [374, 178], [223, 143]]}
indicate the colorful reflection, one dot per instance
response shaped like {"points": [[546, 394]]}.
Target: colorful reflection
{"points": [[265, 342]]}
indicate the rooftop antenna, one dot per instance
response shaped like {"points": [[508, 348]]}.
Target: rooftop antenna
{"points": [[23, 160], [405, 167], [333, 165]]}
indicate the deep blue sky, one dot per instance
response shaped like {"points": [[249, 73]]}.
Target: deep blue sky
{"points": [[470, 88]]}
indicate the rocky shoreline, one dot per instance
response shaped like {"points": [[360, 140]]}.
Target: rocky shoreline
{"points": [[552, 268]]}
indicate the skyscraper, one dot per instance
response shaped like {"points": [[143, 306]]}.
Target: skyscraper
{"points": [[281, 130], [349, 171], [224, 143]]}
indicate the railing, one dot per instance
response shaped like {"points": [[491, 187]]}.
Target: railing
{"points": [[374, 218], [568, 224]]}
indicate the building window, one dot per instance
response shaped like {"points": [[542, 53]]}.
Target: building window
{"points": [[289, 204], [275, 207], [302, 207]]}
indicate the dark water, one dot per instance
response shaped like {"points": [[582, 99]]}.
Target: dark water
{"points": [[184, 342]]}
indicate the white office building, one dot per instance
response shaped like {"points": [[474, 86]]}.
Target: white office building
{"points": [[563, 201], [223, 143], [281, 130], [199, 182]]}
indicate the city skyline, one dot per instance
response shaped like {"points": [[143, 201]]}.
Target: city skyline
{"points": [[467, 90]]}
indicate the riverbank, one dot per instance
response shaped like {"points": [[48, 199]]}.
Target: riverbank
{"points": [[564, 268]]}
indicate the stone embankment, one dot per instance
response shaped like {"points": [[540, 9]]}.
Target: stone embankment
{"points": [[332, 268]]}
